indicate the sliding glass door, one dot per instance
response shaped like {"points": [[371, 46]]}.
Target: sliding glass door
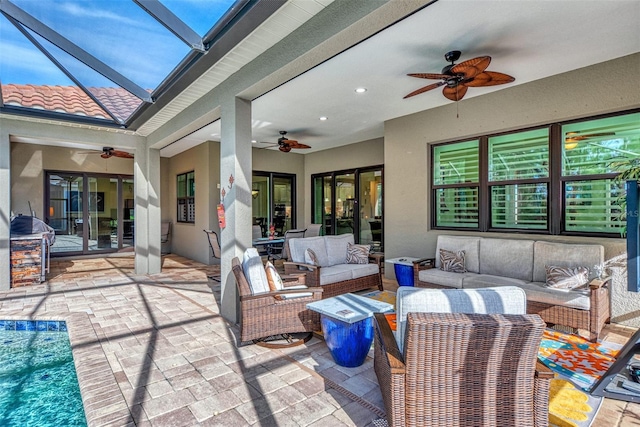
{"points": [[273, 197], [350, 202], [89, 212]]}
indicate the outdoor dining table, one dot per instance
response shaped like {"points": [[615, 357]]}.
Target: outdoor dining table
{"points": [[265, 241]]}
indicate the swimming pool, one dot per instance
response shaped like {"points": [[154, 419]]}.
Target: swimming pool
{"points": [[38, 381]]}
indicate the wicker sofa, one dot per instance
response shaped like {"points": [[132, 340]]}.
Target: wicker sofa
{"points": [[518, 262], [334, 275]]}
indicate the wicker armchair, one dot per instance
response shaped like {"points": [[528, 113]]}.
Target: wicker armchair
{"points": [[269, 314], [462, 370]]}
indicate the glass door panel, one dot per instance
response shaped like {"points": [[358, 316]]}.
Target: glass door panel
{"points": [[128, 214], [102, 213], [346, 204], [283, 214], [64, 212], [370, 197], [260, 195], [322, 203]]}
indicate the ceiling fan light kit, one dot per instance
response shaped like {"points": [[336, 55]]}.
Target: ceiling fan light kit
{"points": [[457, 78]]}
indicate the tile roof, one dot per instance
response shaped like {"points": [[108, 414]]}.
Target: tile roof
{"points": [[72, 100]]}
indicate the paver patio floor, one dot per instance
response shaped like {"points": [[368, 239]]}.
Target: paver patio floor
{"points": [[153, 350]]}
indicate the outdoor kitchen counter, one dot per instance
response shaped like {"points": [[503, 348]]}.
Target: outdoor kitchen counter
{"points": [[29, 258]]}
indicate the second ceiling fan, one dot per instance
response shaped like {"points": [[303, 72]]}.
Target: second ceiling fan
{"points": [[458, 78], [286, 145]]}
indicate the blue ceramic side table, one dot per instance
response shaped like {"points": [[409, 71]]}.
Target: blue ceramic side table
{"points": [[347, 326]]}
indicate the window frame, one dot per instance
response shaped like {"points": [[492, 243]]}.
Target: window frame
{"points": [[556, 182], [187, 200]]}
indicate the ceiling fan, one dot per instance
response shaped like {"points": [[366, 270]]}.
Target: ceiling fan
{"points": [[108, 152], [457, 78], [286, 145], [572, 139]]}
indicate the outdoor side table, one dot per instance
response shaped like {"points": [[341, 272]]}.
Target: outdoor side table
{"points": [[347, 326], [403, 268]]}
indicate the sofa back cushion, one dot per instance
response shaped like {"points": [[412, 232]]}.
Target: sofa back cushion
{"points": [[502, 300], [565, 255], [507, 257], [298, 247], [336, 247], [470, 246]]}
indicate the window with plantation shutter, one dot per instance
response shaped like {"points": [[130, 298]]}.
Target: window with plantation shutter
{"points": [[519, 163], [591, 151], [558, 179], [455, 184]]}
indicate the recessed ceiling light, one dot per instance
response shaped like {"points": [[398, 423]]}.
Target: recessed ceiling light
{"points": [[323, 118], [253, 141], [361, 90]]}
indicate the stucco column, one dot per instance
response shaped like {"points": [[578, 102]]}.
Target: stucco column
{"points": [[5, 210], [236, 162], [146, 176]]}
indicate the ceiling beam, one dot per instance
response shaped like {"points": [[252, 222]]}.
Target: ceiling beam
{"points": [[172, 23]]}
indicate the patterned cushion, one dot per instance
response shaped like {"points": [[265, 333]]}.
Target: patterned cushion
{"points": [[357, 254], [566, 277], [274, 279], [310, 257], [452, 261]]}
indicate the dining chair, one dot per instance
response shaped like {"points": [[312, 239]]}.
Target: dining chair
{"points": [[256, 233], [313, 230], [214, 244], [281, 251]]}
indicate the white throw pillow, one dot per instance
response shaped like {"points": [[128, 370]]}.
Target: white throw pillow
{"points": [[254, 271]]}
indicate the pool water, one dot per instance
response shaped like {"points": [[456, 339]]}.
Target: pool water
{"points": [[38, 381]]}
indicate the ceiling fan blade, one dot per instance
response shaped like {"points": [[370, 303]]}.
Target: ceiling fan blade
{"points": [[574, 137], [455, 93], [431, 76], [489, 78], [472, 67], [424, 89], [122, 154], [297, 145]]}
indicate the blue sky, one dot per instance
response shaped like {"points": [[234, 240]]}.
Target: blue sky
{"points": [[117, 32]]}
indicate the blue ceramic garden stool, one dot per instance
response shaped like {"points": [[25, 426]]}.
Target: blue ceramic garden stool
{"points": [[349, 343]]}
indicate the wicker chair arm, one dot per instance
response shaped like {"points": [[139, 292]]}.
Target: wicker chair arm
{"points": [[293, 279], [598, 283], [424, 264], [543, 371], [390, 347], [316, 292]]}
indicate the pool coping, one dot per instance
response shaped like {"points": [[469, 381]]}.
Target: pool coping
{"points": [[102, 400]]}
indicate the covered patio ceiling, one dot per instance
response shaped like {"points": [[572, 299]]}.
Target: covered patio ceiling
{"points": [[529, 40]]}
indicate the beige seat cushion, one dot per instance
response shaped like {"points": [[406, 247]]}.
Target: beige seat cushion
{"points": [[536, 291], [489, 281], [443, 278]]}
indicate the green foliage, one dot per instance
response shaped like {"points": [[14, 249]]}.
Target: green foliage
{"points": [[629, 169]]}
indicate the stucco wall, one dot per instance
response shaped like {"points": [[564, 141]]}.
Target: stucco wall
{"points": [[29, 161], [599, 89], [188, 239]]}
